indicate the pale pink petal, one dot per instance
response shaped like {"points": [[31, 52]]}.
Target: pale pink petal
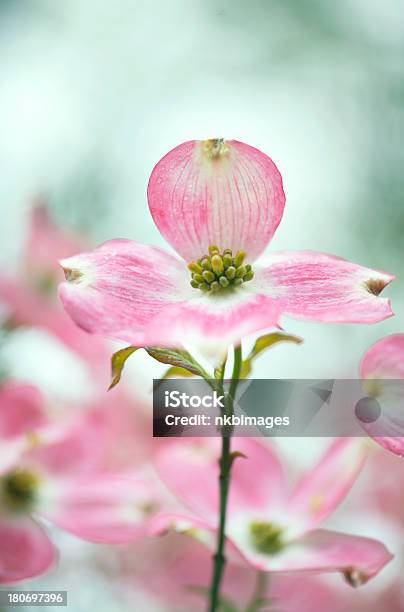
{"points": [[323, 487], [72, 446], [110, 508], [385, 360], [321, 287], [141, 295], [358, 558], [213, 323], [25, 552], [117, 289], [21, 409], [190, 469], [234, 201]]}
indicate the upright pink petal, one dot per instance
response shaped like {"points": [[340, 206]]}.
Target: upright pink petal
{"points": [[225, 193], [322, 488], [25, 552], [385, 360], [324, 288], [358, 558], [140, 294]]}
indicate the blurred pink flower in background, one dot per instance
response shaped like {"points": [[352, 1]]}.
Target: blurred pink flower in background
{"points": [[385, 360], [29, 295], [218, 203], [56, 472], [271, 527]]}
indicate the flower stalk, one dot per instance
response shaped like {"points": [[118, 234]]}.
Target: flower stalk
{"points": [[225, 464]]}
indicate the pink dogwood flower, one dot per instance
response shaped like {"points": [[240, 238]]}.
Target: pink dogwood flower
{"points": [[385, 361], [270, 526], [55, 473], [218, 204]]}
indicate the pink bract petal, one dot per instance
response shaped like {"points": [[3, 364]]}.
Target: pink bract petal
{"points": [[321, 287], [326, 551], [322, 488], [210, 192], [117, 289], [141, 295], [104, 507], [25, 552], [190, 469], [385, 360]]}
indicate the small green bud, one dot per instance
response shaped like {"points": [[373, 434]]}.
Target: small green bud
{"points": [[213, 249], [199, 278], [227, 252], [230, 272], [194, 284], [227, 260], [215, 286], [239, 258], [238, 282], [249, 276], [194, 267], [248, 267], [241, 271], [223, 281], [204, 287], [217, 264], [208, 276], [205, 263]]}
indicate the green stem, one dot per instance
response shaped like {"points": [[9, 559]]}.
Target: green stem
{"points": [[259, 592], [225, 464]]}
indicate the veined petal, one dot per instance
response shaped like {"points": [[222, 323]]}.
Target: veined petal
{"points": [[26, 551], [225, 193], [325, 288], [322, 488], [385, 360], [117, 289], [358, 558], [141, 295]]}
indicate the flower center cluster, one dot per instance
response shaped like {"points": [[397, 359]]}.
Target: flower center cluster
{"points": [[18, 488], [218, 271], [266, 537]]}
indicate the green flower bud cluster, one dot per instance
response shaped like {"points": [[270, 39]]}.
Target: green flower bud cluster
{"points": [[217, 271], [266, 537], [18, 488]]}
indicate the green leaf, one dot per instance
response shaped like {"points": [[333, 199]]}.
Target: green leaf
{"points": [[177, 358], [118, 361], [182, 362], [261, 344]]}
